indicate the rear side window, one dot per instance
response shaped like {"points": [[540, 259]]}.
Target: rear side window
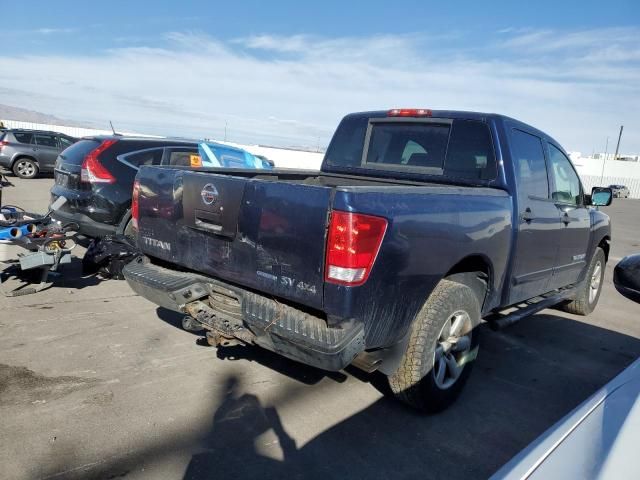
{"points": [[65, 142], [184, 158], [347, 143], [144, 157], [23, 137], [531, 170], [470, 153], [74, 155], [44, 140]]}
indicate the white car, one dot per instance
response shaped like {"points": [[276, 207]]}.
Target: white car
{"points": [[597, 440]]}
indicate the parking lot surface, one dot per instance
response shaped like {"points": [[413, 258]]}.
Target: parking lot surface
{"points": [[96, 382]]}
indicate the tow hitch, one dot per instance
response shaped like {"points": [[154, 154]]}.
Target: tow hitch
{"points": [[222, 330]]}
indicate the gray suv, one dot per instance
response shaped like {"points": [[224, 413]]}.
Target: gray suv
{"points": [[27, 152]]}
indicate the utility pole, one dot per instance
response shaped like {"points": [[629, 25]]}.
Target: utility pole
{"points": [[225, 130], [606, 149], [615, 157]]}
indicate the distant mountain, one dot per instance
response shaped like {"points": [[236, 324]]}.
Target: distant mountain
{"points": [[8, 112]]}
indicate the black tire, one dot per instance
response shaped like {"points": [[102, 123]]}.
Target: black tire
{"points": [[415, 383], [25, 168], [583, 303]]}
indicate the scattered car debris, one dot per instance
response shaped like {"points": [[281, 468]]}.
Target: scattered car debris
{"points": [[107, 256], [48, 245]]}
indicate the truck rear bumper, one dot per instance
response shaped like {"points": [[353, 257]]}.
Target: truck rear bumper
{"points": [[276, 326]]}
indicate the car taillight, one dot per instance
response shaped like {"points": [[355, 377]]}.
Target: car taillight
{"points": [[409, 112], [352, 247], [92, 171], [3, 143], [135, 209]]}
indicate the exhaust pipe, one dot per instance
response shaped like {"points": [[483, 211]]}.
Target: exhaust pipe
{"points": [[10, 233], [30, 228]]}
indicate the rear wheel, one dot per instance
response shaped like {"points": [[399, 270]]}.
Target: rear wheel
{"points": [[589, 290], [25, 168], [441, 349]]}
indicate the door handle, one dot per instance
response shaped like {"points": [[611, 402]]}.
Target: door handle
{"points": [[566, 219], [527, 216]]}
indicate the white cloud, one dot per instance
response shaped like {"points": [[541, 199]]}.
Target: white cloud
{"points": [[578, 86], [50, 31]]}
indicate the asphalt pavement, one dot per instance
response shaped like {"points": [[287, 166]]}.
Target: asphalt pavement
{"points": [[96, 382]]}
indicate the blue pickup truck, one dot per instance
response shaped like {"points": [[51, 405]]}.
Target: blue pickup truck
{"points": [[419, 225]]}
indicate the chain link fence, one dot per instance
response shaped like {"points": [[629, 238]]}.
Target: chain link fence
{"points": [[633, 184]]}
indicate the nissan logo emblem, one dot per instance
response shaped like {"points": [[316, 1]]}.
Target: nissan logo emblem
{"points": [[209, 194]]}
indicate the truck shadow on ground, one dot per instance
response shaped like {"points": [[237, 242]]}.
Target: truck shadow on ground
{"points": [[525, 379]]}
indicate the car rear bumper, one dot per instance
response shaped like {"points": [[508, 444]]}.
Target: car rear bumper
{"points": [[276, 326], [87, 226], [5, 161]]}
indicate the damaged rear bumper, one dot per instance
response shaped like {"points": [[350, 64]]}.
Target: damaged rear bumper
{"points": [[234, 312]]}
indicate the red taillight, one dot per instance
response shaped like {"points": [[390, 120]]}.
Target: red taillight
{"points": [[92, 170], [352, 247], [409, 112], [135, 209], [3, 143]]}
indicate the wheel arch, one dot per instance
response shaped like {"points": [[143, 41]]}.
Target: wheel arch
{"points": [[605, 245], [475, 271], [18, 156], [123, 222]]}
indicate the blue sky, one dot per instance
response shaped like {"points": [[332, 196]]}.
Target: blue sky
{"points": [[285, 72]]}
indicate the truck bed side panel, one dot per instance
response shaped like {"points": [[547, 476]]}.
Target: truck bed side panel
{"points": [[430, 230]]}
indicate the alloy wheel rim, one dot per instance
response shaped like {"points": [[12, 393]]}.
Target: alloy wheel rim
{"points": [[594, 284], [26, 169], [453, 347]]}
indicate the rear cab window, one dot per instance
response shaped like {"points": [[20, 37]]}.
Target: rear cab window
{"points": [[404, 145], [456, 149]]}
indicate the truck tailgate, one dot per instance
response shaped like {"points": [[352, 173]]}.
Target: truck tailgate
{"points": [[259, 234]]}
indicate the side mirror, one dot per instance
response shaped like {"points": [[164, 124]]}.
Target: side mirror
{"points": [[601, 196]]}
